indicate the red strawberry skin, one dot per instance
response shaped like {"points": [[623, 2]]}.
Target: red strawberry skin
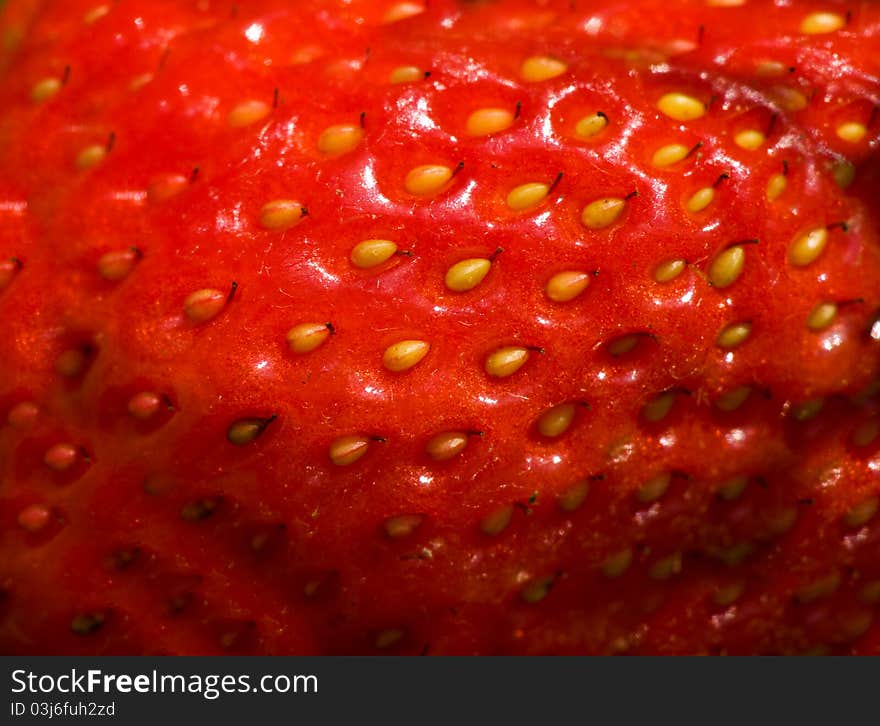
{"points": [[702, 498]]}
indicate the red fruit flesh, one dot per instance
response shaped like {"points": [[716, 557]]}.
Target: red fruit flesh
{"points": [[203, 449]]}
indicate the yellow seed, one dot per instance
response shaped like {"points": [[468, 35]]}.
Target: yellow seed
{"points": [[247, 113], [733, 399], [729, 594], [618, 563], [348, 449], [427, 179], [776, 186], [669, 155], [866, 432], [657, 408], [573, 497], [623, 345], [467, 274], [862, 512], [727, 266], [281, 214], [843, 173], [725, 3], [822, 316], [791, 99], [770, 69], [567, 285], [537, 590], [95, 14], [402, 11], [734, 335], [820, 588], [406, 74], [506, 361], [91, 156], [666, 568], [387, 638], [372, 253], [541, 68], [681, 107], [404, 355], [138, 82], [654, 488], [852, 131], [446, 445], [590, 126], [247, 430], [495, 523], [202, 305], [44, 89], [669, 270], [807, 248], [306, 337], [870, 593], [526, 196], [749, 139], [487, 121], [735, 554], [556, 420], [701, 199], [602, 212], [808, 409], [117, 264], [733, 488], [818, 23], [402, 525], [339, 139]]}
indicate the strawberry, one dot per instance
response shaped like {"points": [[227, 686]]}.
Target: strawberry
{"points": [[448, 327]]}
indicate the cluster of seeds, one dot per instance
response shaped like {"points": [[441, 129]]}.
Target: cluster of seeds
{"points": [[688, 147]]}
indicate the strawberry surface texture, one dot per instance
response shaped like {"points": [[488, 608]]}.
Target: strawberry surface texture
{"points": [[439, 327]]}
